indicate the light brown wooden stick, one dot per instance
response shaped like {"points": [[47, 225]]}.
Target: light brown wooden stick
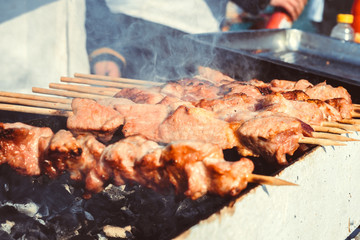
{"points": [[341, 125], [355, 114], [85, 89], [329, 129], [115, 79], [350, 121], [35, 103], [101, 83], [261, 179], [35, 97], [321, 142], [34, 110], [334, 137], [67, 93], [356, 105]]}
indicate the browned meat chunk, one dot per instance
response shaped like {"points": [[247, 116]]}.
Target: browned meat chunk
{"points": [[90, 167], [214, 76], [306, 111], [90, 116], [285, 85], [323, 91], [80, 156], [63, 149], [191, 89], [174, 102], [197, 168], [196, 124], [240, 87], [143, 119], [342, 105], [22, 146], [273, 137], [136, 159], [329, 112], [230, 106], [148, 96], [297, 95], [111, 102], [239, 100]]}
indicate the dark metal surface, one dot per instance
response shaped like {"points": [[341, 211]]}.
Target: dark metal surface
{"points": [[308, 52]]}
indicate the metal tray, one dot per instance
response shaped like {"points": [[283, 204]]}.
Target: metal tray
{"points": [[309, 52]]}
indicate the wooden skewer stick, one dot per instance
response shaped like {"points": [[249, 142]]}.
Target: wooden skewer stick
{"points": [[329, 129], [35, 97], [333, 137], [355, 114], [356, 105], [341, 125], [101, 83], [35, 103], [34, 110], [85, 89], [115, 79], [67, 93], [321, 142], [261, 179], [350, 121]]}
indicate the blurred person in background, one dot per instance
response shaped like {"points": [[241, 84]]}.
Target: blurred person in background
{"points": [[41, 40], [140, 38]]}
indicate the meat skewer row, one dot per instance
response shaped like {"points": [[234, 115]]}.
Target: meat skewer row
{"points": [[45, 111], [193, 168], [161, 124], [334, 103]]}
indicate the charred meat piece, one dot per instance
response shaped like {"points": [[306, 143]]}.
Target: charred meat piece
{"points": [[231, 106], [342, 105], [112, 102], [239, 100], [143, 119], [196, 124], [136, 159], [191, 89], [63, 149], [240, 87], [22, 146], [174, 102], [90, 168], [329, 112], [297, 95], [308, 112], [286, 85], [90, 116], [80, 156], [146, 96], [273, 137], [197, 168], [323, 91]]}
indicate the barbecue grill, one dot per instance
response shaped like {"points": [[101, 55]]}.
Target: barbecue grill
{"points": [[323, 206]]}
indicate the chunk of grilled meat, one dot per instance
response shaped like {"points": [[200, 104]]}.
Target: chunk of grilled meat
{"points": [[90, 116], [274, 136], [197, 168], [22, 146]]}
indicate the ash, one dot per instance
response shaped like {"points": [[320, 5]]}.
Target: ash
{"points": [[40, 208]]}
